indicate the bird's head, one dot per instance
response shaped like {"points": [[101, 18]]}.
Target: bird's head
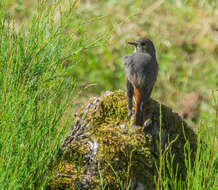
{"points": [[143, 45]]}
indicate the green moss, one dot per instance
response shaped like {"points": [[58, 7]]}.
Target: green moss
{"points": [[121, 154], [117, 150]]}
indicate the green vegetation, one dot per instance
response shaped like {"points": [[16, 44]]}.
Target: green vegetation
{"points": [[36, 93], [47, 47]]}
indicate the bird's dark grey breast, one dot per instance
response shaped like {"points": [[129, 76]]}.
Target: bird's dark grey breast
{"points": [[141, 69]]}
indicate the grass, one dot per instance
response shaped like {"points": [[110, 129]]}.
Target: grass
{"points": [[37, 92], [47, 48], [201, 174]]}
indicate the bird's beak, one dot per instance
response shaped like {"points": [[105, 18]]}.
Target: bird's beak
{"points": [[133, 43]]}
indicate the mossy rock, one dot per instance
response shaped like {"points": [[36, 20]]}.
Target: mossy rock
{"points": [[104, 151]]}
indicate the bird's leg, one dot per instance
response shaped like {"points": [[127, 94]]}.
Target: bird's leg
{"points": [[129, 97], [138, 113], [145, 105]]}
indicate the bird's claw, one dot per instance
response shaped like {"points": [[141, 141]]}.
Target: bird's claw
{"points": [[147, 122]]}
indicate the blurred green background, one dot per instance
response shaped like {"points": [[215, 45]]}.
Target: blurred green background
{"points": [[185, 34]]}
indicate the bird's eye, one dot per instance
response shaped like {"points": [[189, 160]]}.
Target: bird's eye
{"points": [[143, 43]]}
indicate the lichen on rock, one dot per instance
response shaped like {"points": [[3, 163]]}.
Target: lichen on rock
{"points": [[103, 150]]}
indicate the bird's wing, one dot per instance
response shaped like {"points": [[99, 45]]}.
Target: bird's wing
{"points": [[127, 60]]}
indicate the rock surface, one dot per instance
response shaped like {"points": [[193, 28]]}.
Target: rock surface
{"points": [[103, 150]]}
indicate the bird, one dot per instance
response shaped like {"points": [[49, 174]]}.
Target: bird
{"points": [[141, 71]]}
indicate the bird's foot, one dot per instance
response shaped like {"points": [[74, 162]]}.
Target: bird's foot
{"points": [[147, 122], [147, 127]]}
